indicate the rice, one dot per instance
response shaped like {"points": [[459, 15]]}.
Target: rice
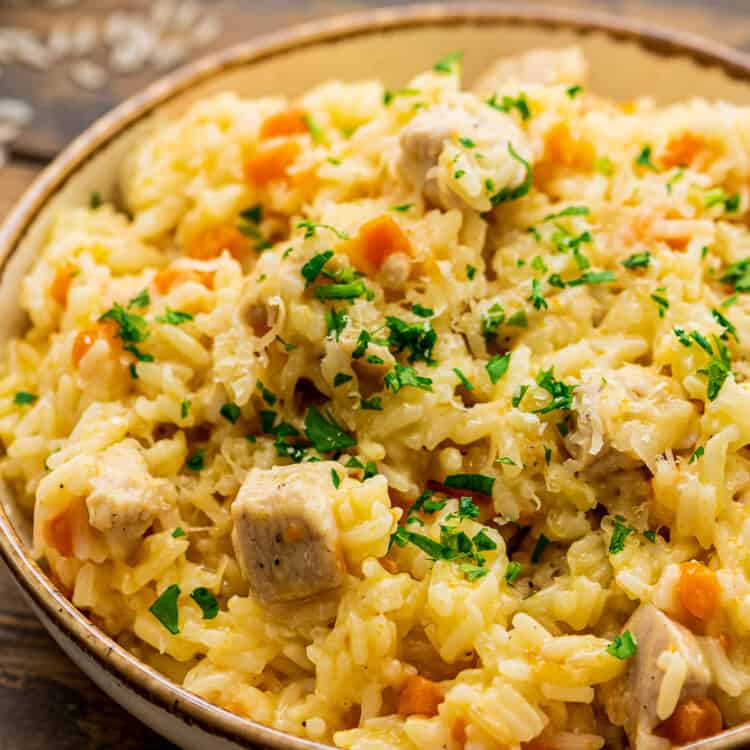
{"points": [[504, 332]]}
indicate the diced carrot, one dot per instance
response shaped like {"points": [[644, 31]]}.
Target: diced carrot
{"points": [[375, 241], [628, 106], [563, 148], [291, 121], [698, 589], [458, 730], [389, 564], [106, 330], [271, 161], [167, 278], [212, 242], [693, 719], [61, 283], [59, 531], [419, 696], [682, 149]]}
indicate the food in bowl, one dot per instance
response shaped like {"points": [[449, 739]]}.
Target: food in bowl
{"points": [[408, 418]]}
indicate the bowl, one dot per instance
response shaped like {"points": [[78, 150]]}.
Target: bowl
{"points": [[627, 59]]}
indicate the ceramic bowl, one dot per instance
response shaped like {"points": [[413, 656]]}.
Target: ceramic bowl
{"points": [[627, 59]]}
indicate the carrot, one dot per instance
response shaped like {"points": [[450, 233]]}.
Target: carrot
{"points": [[698, 589], [682, 149], [561, 147], [291, 121], [61, 283], [375, 241], [693, 719], [166, 278], [106, 330], [419, 696], [59, 531], [270, 162], [458, 730], [389, 564], [212, 242]]}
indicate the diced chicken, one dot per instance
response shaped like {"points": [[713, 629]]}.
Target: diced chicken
{"points": [[633, 416], [540, 66], [285, 533], [125, 499], [459, 156], [668, 667]]}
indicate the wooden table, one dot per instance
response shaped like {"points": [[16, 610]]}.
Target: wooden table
{"points": [[45, 702]]}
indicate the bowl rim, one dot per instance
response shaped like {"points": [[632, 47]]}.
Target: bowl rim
{"points": [[119, 663]]}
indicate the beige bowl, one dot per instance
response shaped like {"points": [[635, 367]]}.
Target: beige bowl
{"points": [[627, 59]]}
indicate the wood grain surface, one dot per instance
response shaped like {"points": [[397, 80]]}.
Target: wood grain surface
{"points": [[46, 703]]}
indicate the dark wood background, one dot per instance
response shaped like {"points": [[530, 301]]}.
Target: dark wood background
{"points": [[45, 702]]}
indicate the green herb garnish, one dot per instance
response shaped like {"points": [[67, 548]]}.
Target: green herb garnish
{"points": [[164, 609]]}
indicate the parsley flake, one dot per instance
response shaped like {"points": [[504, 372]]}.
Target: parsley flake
{"points": [[497, 367], [325, 434], [206, 601], [196, 460], [512, 194], [174, 317], [512, 572], [450, 63], [623, 647], [164, 609], [644, 159], [230, 412], [473, 482], [637, 260], [402, 376], [620, 533], [22, 398], [463, 379], [311, 270]]}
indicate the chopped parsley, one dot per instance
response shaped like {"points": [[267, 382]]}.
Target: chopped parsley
{"points": [[573, 91], [512, 194], [516, 400], [371, 404], [620, 533], [341, 290], [539, 548], [463, 379], [637, 260], [623, 647], [467, 142], [196, 460], [547, 455], [569, 211], [536, 297], [726, 324], [492, 319], [512, 572], [650, 534], [644, 159], [518, 319], [717, 197], [142, 299], [311, 229], [133, 371], [672, 181], [418, 338], [335, 322], [253, 214], [506, 461], [178, 532], [661, 302], [697, 453], [325, 434], [682, 337], [230, 412], [738, 274], [311, 270], [131, 327], [402, 208], [497, 367], [471, 272], [422, 312], [22, 398], [185, 408], [562, 394], [509, 103], [473, 482], [340, 378], [450, 63], [604, 166], [174, 317], [335, 478], [164, 609], [95, 200], [472, 572], [389, 96], [206, 601], [401, 376], [718, 369], [316, 133]]}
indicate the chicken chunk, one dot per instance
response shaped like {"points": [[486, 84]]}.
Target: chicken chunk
{"points": [[542, 66], [452, 154], [668, 667], [285, 533], [635, 415], [125, 499]]}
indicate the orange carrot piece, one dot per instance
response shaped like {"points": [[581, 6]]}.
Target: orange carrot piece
{"points": [[693, 719], [61, 283], [167, 278], [562, 148], [375, 241], [212, 242], [419, 696], [105, 329], [698, 589], [682, 149], [291, 121], [60, 530], [389, 564], [458, 730], [270, 162]]}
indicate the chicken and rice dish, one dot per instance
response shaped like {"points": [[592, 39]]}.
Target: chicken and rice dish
{"points": [[409, 419]]}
